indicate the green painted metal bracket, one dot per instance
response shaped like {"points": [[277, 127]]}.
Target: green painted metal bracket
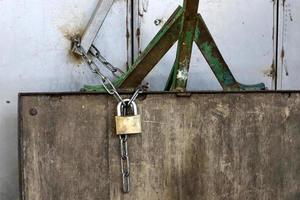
{"points": [[214, 58], [179, 75], [185, 45], [186, 26]]}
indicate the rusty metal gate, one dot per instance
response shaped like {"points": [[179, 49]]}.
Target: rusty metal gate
{"points": [[193, 146]]}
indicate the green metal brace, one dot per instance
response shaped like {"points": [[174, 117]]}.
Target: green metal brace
{"points": [[186, 26]]}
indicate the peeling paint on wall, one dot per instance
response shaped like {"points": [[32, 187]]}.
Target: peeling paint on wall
{"points": [[182, 74]]}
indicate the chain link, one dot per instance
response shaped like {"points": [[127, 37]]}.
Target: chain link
{"points": [[96, 53], [110, 88], [106, 82], [138, 91], [125, 164]]}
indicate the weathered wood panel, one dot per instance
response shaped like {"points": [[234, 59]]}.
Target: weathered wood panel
{"points": [[207, 146]]}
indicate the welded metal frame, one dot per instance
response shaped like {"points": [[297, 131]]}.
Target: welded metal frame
{"points": [[185, 26]]}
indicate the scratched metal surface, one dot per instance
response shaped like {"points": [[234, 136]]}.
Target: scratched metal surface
{"points": [[216, 146]]}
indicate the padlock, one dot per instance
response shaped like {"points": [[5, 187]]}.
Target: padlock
{"points": [[127, 125]]}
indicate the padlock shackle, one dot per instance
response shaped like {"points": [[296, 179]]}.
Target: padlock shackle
{"points": [[121, 104]]}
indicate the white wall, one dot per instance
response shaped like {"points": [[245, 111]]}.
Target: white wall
{"points": [[35, 53], [35, 58], [289, 45]]}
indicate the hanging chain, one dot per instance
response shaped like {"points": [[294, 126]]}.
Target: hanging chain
{"points": [[106, 82], [110, 88], [125, 164], [138, 91]]}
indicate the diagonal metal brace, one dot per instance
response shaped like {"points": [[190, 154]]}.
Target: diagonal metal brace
{"points": [[215, 60], [95, 24], [186, 26], [147, 60]]}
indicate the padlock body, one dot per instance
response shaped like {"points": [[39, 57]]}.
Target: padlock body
{"points": [[127, 125]]}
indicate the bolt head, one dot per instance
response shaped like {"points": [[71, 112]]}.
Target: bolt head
{"points": [[33, 111]]}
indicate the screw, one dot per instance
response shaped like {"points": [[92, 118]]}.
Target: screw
{"points": [[33, 112], [157, 22]]}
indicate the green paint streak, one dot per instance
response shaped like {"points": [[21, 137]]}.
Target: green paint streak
{"points": [[260, 86], [189, 38], [197, 34], [221, 70], [100, 88], [155, 41], [222, 75], [93, 88]]}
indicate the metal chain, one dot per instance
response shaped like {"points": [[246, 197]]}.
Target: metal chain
{"points": [[125, 164], [110, 88], [106, 82], [96, 53]]}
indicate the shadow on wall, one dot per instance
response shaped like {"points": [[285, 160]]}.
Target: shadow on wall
{"points": [[9, 156]]}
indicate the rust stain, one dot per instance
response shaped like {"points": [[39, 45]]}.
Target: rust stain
{"points": [[70, 32], [75, 58], [282, 54], [145, 5], [128, 41], [270, 71], [291, 17], [283, 2], [128, 19], [138, 35], [71, 23]]}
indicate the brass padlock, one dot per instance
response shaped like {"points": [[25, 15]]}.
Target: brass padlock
{"points": [[127, 125]]}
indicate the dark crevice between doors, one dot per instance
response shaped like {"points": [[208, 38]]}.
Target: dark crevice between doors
{"points": [[276, 29], [132, 31]]}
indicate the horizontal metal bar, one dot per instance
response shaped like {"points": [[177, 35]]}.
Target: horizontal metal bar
{"points": [[58, 94]]}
